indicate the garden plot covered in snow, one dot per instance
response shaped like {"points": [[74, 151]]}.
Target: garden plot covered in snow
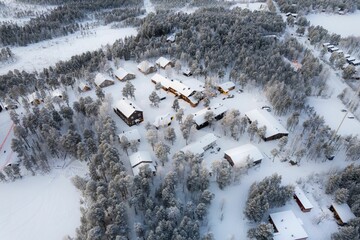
{"points": [[345, 25]]}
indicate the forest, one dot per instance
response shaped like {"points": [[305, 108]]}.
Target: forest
{"points": [[305, 6]]}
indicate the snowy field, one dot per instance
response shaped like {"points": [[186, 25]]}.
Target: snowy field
{"points": [[39, 55], [40, 207], [345, 25]]}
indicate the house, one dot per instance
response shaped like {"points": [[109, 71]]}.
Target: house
{"points": [[101, 80], [132, 135], [84, 87], [164, 62], [355, 62], [128, 112], [123, 75], [333, 49], [35, 98], [347, 56], [342, 213], [177, 88], [226, 87], [302, 200], [243, 155], [287, 226], [199, 117], [139, 159], [326, 44], [146, 67], [163, 121], [187, 72], [171, 38], [201, 145], [274, 130]]}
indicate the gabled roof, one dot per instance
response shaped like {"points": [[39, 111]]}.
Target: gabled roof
{"points": [[122, 73], [126, 107], [163, 120], [131, 135], [239, 154], [200, 145], [343, 211], [174, 84], [144, 66], [100, 78], [171, 38], [217, 109], [288, 226], [227, 85], [162, 62], [302, 198], [264, 118], [140, 157], [83, 85]]}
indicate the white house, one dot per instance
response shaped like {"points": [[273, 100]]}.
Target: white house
{"points": [[102, 80], [163, 121], [240, 156], [132, 135], [146, 67], [287, 226], [274, 129], [201, 145], [140, 159], [218, 110], [123, 75], [164, 62]]}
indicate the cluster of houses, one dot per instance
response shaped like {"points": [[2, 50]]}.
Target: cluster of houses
{"points": [[349, 59]]}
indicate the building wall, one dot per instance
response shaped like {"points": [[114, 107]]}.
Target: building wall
{"points": [[135, 118], [228, 158]]}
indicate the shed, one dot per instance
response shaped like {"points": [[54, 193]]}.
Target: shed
{"points": [[201, 145], [226, 87], [102, 80], [164, 62], [139, 159], [171, 38], [132, 135], [302, 200], [240, 156], [355, 62], [123, 75], [146, 67], [287, 226], [129, 112], [274, 130], [163, 121], [35, 98], [342, 213], [218, 110], [187, 72], [84, 87]]}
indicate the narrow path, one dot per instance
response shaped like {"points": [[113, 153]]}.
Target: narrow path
{"points": [[6, 137]]}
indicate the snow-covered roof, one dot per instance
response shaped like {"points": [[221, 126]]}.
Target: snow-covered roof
{"points": [[126, 107], [171, 38], [288, 225], [174, 84], [330, 46], [326, 44], [343, 211], [56, 93], [302, 198], [351, 59], [163, 120], [131, 135], [83, 85], [194, 84], [347, 56], [239, 154], [140, 157], [162, 62], [201, 145], [227, 85], [217, 109], [34, 96], [144, 66], [161, 93], [264, 118], [136, 169], [122, 73], [100, 78], [356, 62]]}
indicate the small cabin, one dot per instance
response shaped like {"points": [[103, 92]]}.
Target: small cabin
{"points": [[164, 62], [122, 75], [226, 87], [342, 213], [302, 200], [101, 80], [84, 87], [146, 67]]}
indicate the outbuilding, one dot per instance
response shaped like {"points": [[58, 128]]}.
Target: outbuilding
{"points": [[164, 62], [342, 213], [132, 135], [301, 199], [201, 145], [243, 155], [163, 121], [226, 87], [287, 226], [84, 87], [129, 112], [146, 67]]}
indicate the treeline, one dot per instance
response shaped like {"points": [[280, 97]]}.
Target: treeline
{"points": [[306, 6], [61, 21], [119, 14], [167, 4]]}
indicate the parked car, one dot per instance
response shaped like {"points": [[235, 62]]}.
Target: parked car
{"points": [[230, 96], [351, 117], [267, 108]]}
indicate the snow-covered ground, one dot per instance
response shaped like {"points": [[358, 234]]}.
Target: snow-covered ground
{"points": [[149, 7], [345, 25], [251, 6], [47, 53], [41, 207]]}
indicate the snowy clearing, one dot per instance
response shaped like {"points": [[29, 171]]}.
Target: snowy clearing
{"points": [[251, 6], [345, 25], [47, 53], [40, 207]]}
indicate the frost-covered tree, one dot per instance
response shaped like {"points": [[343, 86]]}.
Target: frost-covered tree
{"points": [[154, 99], [152, 137], [162, 152], [176, 105], [128, 90], [170, 135], [265, 231], [179, 115]]}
